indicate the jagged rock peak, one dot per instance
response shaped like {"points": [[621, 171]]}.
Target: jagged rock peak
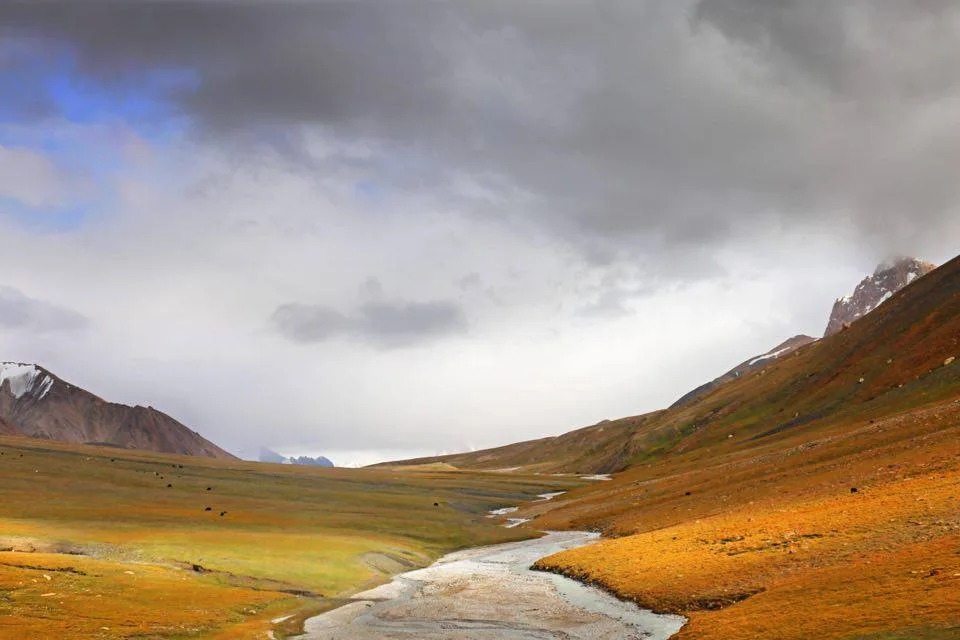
{"points": [[889, 277]]}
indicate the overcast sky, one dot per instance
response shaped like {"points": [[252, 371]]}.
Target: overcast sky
{"points": [[376, 229]]}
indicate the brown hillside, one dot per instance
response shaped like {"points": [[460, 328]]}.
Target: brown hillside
{"points": [[36, 403], [815, 499]]}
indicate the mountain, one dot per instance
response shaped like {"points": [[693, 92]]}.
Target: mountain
{"points": [[38, 404], [783, 349], [319, 461], [266, 455], [873, 290], [891, 358]]}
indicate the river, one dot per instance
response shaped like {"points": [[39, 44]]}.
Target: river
{"points": [[489, 593]]}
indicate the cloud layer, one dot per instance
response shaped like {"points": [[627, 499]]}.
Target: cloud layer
{"points": [[546, 213]]}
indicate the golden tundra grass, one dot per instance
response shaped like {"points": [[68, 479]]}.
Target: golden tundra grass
{"points": [[103, 543], [777, 546]]}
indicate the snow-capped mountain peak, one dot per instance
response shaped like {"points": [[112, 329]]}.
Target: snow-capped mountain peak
{"points": [[888, 278], [24, 378]]}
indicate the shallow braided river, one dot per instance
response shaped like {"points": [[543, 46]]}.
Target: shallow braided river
{"points": [[489, 593]]}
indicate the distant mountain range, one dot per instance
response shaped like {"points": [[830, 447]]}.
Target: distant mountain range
{"points": [[36, 403], [266, 455]]}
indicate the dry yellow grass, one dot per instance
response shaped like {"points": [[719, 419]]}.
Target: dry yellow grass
{"points": [[777, 545], [103, 543]]}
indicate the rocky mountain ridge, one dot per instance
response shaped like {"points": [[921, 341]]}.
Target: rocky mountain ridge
{"points": [[874, 290], [36, 403], [266, 455]]}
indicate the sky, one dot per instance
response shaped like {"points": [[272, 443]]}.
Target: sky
{"points": [[374, 230]]}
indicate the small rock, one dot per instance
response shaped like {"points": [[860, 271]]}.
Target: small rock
{"points": [[853, 489]]}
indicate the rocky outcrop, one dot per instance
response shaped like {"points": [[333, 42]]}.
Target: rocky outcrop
{"points": [[38, 404], [874, 290]]}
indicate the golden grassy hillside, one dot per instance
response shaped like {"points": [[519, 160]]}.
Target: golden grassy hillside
{"points": [[105, 543], [818, 498]]}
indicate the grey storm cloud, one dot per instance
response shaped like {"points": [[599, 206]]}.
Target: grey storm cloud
{"points": [[21, 312], [384, 324], [632, 124]]}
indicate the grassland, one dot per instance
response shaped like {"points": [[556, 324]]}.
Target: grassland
{"points": [[104, 543], [816, 498], [776, 545]]}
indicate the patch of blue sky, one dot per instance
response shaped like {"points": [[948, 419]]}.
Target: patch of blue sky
{"points": [[50, 104], [49, 81], [54, 219]]}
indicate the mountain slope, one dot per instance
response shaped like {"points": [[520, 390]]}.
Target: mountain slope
{"points": [[38, 404], [847, 373], [594, 449], [782, 350], [825, 482]]}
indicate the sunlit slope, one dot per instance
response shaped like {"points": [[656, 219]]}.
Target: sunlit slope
{"points": [[595, 449], [106, 543], [818, 499]]}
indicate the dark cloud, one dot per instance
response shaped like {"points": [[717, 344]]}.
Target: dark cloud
{"points": [[678, 124], [308, 323], [384, 324], [21, 312]]}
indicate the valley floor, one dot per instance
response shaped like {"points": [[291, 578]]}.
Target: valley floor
{"points": [[107, 543]]}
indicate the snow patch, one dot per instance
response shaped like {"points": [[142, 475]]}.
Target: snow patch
{"points": [[768, 356], [543, 497], [597, 476], [24, 378]]}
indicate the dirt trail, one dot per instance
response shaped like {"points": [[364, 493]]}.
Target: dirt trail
{"points": [[489, 593]]}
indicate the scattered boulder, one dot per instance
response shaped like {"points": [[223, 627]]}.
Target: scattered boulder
{"points": [[853, 489], [948, 361], [223, 513], [208, 509]]}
